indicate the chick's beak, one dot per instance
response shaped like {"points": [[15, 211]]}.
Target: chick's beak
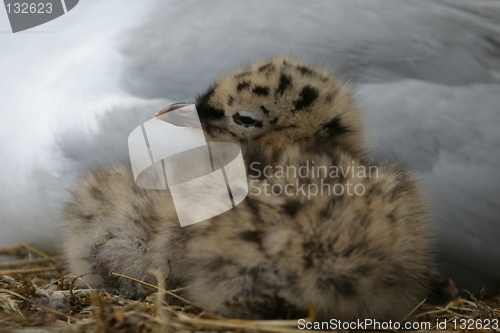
{"points": [[173, 107], [180, 114]]}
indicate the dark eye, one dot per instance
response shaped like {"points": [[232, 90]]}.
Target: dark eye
{"points": [[246, 121]]}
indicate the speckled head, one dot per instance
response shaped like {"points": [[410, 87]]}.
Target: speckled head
{"points": [[281, 101]]}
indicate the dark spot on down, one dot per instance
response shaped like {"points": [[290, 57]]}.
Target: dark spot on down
{"points": [[96, 193], [325, 212], [243, 85], [218, 263], [284, 84], [269, 68], [330, 96], [292, 279], [342, 284], [252, 272], [263, 108], [230, 100], [146, 217], [206, 111], [261, 90], [347, 252], [305, 70], [363, 269], [242, 74], [306, 97], [312, 252], [291, 207], [253, 236], [286, 127], [335, 128], [87, 217]]}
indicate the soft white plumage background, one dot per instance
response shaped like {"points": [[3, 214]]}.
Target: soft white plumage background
{"points": [[427, 74]]}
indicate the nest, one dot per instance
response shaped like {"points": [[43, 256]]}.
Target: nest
{"points": [[36, 293]]}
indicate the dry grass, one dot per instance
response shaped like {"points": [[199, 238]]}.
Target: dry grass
{"points": [[26, 280]]}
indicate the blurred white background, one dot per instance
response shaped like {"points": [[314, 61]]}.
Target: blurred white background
{"points": [[426, 73]]}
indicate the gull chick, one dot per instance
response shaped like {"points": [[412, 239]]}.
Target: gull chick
{"points": [[349, 255]]}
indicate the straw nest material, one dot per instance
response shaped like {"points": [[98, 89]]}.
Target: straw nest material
{"points": [[36, 295]]}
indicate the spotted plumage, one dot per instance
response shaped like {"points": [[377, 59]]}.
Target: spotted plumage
{"points": [[294, 102], [349, 255]]}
